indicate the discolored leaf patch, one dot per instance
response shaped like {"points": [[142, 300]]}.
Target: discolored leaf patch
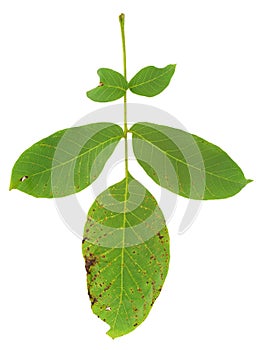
{"points": [[90, 261], [126, 251]]}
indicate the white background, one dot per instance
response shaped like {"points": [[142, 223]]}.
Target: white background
{"points": [[50, 51]]}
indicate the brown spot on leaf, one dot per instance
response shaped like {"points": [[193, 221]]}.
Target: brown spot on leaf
{"points": [[85, 239], [107, 287], [92, 299], [90, 261], [159, 235], [95, 276]]}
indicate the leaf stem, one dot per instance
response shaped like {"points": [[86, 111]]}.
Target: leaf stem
{"points": [[122, 26]]}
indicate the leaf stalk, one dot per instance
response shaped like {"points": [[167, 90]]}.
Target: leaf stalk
{"points": [[122, 26]]}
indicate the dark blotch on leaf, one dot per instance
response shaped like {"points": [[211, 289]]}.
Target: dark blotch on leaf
{"points": [[91, 261], [159, 235], [92, 299], [85, 239], [107, 287]]}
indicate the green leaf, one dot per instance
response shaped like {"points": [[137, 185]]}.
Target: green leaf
{"points": [[65, 162], [151, 81], [185, 163], [126, 251], [112, 86]]}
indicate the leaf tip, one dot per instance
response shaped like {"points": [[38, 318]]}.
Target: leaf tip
{"points": [[12, 185], [173, 67], [114, 333], [110, 333], [248, 181], [88, 94]]}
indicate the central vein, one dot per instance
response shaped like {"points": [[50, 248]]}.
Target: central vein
{"points": [[121, 20]]}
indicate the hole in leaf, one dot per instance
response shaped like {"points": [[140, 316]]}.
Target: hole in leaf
{"points": [[108, 308], [100, 83], [22, 179]]}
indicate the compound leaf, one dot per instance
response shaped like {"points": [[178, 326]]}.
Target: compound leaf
{"points": [[126, 251], [112, 86], [66, 162], [150, 81], [185, 163]]}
